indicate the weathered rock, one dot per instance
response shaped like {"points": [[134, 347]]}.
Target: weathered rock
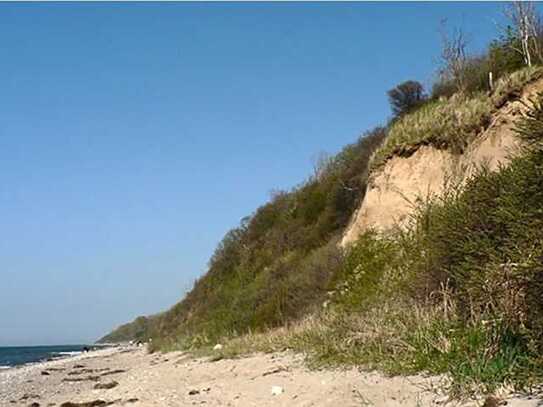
{"points": [[113, 372], [27, 396], [94, 403], [105, 386]]}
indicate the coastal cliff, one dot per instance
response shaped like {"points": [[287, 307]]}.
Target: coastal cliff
{"points": [[417, 248], [402, 183]]}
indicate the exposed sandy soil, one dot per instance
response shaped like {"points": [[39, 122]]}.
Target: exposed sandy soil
{"points": [[137, 379], [395, 190]]}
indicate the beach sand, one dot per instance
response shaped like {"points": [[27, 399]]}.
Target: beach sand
{"points": [[131, 376]]}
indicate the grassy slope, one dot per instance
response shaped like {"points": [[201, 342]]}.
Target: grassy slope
{"points": [[451, 123], [135, 330], [458, 293], [276, 266]]}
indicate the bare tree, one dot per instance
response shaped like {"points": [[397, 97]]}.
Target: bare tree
{"points": [[454, 55], [321, 162], [526, 29]]}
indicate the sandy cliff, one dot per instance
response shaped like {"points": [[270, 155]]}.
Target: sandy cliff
{"points": [[394, 189]]}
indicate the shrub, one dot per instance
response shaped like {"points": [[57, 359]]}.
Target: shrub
{"points": [[500, 59], [405, 97]]}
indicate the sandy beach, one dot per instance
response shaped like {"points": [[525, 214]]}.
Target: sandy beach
{"points": [[131, 376]]}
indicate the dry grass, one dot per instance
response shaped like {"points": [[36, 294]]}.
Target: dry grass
{"points": [[451, 123], [510, 86], [373, 339]]}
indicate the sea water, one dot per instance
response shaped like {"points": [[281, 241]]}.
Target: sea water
{"points": [[20, 355]]}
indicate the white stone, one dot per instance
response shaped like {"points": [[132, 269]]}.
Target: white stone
{"points": [[217, 347], [276, 390]]}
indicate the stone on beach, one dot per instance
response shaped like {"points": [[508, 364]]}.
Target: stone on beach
{"points": [[106, 386]]}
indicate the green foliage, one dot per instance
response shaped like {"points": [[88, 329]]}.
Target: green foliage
{"points": [[488, 244], [530, 129], [458, 293], [478, 357], [135, 330], [277, 265], [367, 272], [501, 59]]}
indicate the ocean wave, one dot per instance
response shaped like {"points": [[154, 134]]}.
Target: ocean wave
{"points": [[73, 353], [4, 367]]}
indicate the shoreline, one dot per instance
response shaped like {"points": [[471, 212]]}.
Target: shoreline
{"points": [[60, 355], [130, 376], [8, 372]]}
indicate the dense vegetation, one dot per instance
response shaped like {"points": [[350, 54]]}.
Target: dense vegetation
{"points": [[468, 277], [277, 264], [458, 291]]}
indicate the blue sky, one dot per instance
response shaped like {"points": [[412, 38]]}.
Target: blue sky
{"points": [[133, 136]]}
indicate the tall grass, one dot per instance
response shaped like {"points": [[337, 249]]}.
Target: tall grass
{"points": [[451, 123]]}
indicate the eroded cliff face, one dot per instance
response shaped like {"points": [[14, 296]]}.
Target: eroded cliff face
{"points": [[395, 189]]}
